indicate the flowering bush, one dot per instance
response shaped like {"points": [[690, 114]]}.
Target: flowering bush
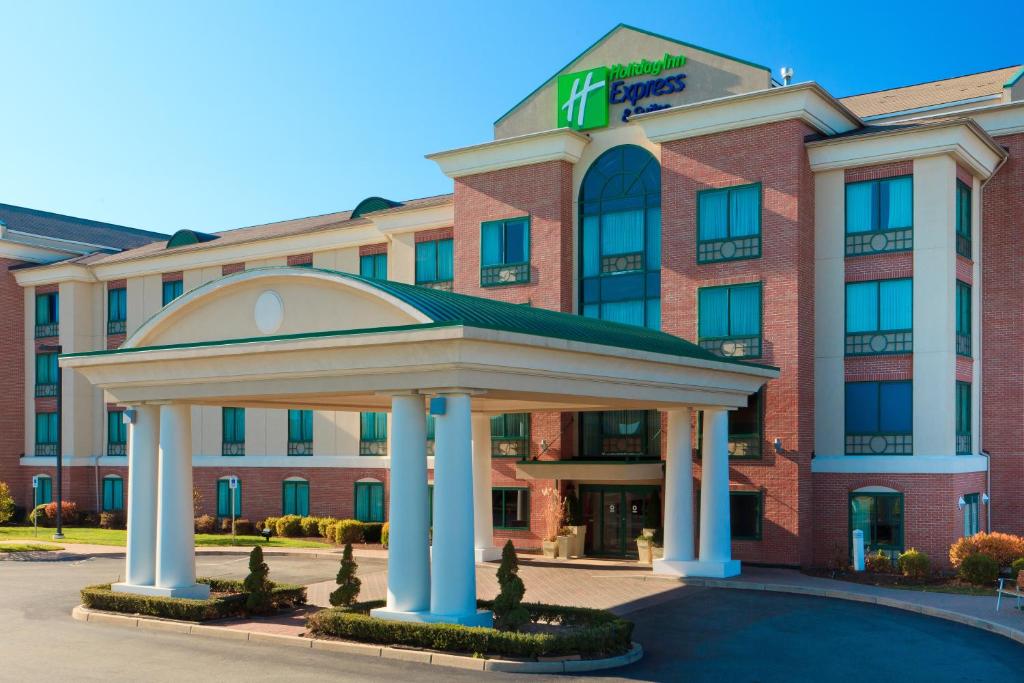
{"points": [[68, 512], [1003, 548]]}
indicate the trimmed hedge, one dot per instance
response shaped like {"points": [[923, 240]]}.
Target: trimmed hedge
{"points": [[289, 526], [590, 633], [283, 595], [349, 531]]}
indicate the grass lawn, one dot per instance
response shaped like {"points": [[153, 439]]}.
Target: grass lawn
{"points": [[117, 537], [28, 548]]}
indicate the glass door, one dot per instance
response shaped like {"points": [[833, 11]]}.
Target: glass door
{"points": [[614, 516]]}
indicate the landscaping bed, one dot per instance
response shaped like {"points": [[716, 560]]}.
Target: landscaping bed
{"points": [[227, 599], [554, 631], [931, 584]]}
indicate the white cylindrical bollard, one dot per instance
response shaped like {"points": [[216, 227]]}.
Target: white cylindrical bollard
{"points": [[858, 550]]}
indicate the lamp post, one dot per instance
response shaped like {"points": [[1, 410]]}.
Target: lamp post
{"points": [[56, 348]]}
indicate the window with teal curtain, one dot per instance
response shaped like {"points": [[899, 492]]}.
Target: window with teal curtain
{"points": [[295, 498], [879, 305], [620, 238], [233, 434], [963, 418], [879, 418], [880, 517], [510, 435], [860, 211], [505, 251], [434, 261], [730, 314], [879, 205], [117, 305], [971, 507], [46, 370], [963, 219], [224, 498], [373, 433], [172, 290], [374, 266], [729, 223], [113, 494], [964, 323], [620, 434], [44, 493], [47, 309], [300, 432], [47, 426], [117, 430], [369, 501]]}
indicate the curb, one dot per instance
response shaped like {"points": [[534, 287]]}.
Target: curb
{"points": [[83, 613], [1013, 634]]}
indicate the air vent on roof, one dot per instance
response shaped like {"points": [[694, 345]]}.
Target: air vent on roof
{"points": [[787, 74], [184, 237], [373, 204]]}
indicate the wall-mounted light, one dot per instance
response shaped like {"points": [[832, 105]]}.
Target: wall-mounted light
{"points": [[961, 503], [129, 416], [778, 445], [984, 498]]}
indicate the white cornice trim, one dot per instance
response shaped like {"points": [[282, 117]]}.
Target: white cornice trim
{"points": [[19, 251], [560, 144], [56, 273], [410, 220], [808, 102], [1000, 119], [898, 464], [963, 139]]}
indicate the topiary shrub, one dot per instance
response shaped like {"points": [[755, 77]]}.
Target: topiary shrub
{"points": [[348, 583], [112, 520], [1003, 548], [915, 564], [69, 512], [385, 534], [6, 503], [289, 525], [372, 532], [321, 527], [310, 526], [244, 527], [348, 531], [509, 613], [979, 569], [206, 524], [878, 563], [1016, 567], [256, 585]]}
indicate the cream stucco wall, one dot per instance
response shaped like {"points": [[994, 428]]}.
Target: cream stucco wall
{"points": [[79, 331], [344, 260], [829, 307], [402, 257]]}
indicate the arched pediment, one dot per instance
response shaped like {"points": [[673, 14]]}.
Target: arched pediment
{"points": [[274, 301]]}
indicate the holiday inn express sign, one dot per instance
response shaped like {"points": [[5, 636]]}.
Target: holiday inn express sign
{"points": [[585, 97]]}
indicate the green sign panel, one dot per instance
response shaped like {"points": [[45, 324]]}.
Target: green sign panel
{"points": [[583, 99]]}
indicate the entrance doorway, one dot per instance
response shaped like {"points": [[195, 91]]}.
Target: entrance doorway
{"points": [[614, 516]]}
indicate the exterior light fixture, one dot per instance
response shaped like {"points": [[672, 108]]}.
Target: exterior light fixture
{"points": [[984, 498], [266, 534], [961, 503], [778, 445]]}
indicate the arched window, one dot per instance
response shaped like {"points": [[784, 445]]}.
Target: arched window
{"points": [[113, 493], [44, 490], [224, 497], [369, 497], [620, 238], [295, 497]]}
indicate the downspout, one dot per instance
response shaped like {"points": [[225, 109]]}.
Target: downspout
{"points": [[96, 470]]}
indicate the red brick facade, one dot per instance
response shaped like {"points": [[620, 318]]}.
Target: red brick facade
{"points": [[12, 367]]}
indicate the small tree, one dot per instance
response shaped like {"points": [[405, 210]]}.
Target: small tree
{"points": [[257, 586], [348, 583], [6, 503], [509, 613]]}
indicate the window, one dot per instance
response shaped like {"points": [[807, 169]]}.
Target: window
{"points": [[963, 418], [963, 319], [620, 435], [746, 429], [117, 433], [224, 498], [880, 517], [434, 264], [113, 494], [47, 374], [300, 432], [172, 290], [880, 216], [430, 503], [971, 514], [373, 433], [745, 513], [505, 252], [295, 497], [374, 266], [729, 223], [47, 432], [510, 508], [879, 418], [117, 310], [369, 501], [47, 315], [620, 238], [963, 219], [233, 420], [44, 493], [729, 320], [879, 317], [431, 427], [510, 435]]}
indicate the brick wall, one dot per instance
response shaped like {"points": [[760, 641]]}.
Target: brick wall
{"points": [[12, 368]]}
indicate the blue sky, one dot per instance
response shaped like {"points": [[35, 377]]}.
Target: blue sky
{"points": [[213, 115]]}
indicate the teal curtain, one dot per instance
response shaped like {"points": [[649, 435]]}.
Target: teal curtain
{"points": [[713, 313], [42, 309], [653, 239], [224, 498], [628, 312], [897, 199], [622, 232], [963, 308], [296, 498], [300, 425], [362, 502], [116, 305], [517, 241], [859, 207], [426, 262], [591, 247], [745, 211], [46, 428], [113, 494], [745, 311], [492, 237], [44, 494], [653, 314], [861, 307], [369, 502], [713, 219], [377, 503], [431, 427], [373, 426], [895, 297], [117, 431], [234, 425], [445, 260], [46, 368]]}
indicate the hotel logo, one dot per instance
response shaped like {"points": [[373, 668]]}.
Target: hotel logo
{"points": [[583, 99]]}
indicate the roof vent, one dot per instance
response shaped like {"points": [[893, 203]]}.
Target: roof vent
{"points": [[787, 74], [185, 237], [371, 204]]}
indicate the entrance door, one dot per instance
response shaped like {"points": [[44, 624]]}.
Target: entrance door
{"points": [[614, 516]]}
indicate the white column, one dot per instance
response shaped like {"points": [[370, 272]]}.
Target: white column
{"points": [[143, 440], [483, 523], [175, 538], [408, 514], [715, 558], [453, 571], [678, 527]]}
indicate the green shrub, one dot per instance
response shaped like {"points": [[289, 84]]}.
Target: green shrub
{"points": [[322, 525], [310, 526], [348, 531], [112, 520], [100, 597], [1016, 567], [257, 586], [206, 524], [348, 583], [979, 569], [509, 613], [915, 564], [385, 533], [6, 503], [269, 523], [244, 527], [878, 562], [372, 532], [591, 633], [37, 514], [289, 525]]}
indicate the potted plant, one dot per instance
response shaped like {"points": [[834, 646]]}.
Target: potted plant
{"points": [[565, 542], [574, 520], [552, 508], [658, 545], [643, 548]]}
